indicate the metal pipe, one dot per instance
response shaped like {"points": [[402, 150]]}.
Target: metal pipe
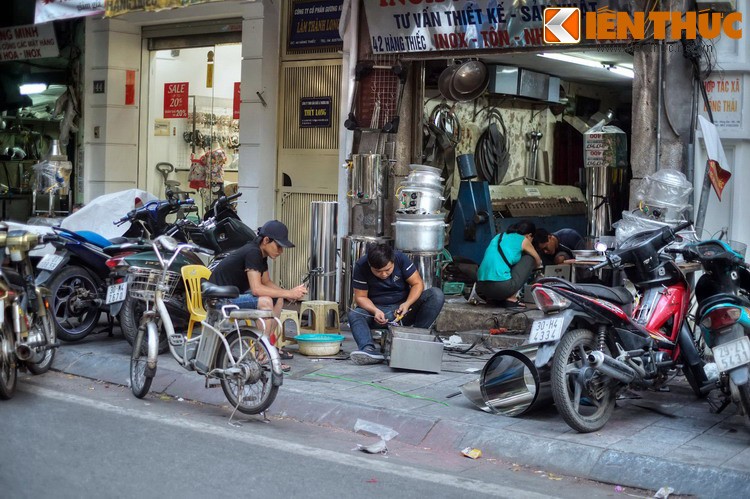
{"points": [[611, 367], [659, 97], [323, 216], [417, 124]]}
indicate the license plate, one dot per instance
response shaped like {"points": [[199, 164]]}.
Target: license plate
{"points": [[733, 354], [544, 330], [117, 293], [49, 262]]}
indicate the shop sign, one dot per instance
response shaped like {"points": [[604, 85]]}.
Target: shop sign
{"points": [[725, 99], [315, 24], [118, 7], [32, 41], [236, 101], [315, 112], [54, 10], [427, 25], [176, 100]]}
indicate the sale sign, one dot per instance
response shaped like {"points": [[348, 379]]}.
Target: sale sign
{"points": [[176, 100]]}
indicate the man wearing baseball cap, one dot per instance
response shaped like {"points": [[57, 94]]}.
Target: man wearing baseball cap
{"points": [[247, 269]]}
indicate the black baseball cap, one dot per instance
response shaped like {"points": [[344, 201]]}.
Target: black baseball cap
{"points": [[277, 231]]}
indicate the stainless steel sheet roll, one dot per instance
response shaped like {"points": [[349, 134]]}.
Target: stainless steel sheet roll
{"points": [[322, 284]]}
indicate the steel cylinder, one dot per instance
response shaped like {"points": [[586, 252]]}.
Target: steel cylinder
{"points": [[322, 284], [512, 385]]}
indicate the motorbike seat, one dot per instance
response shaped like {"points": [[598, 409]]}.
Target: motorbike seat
{"points": [[118, 240], [94, 238], [120, 248], [723, 298], [209, 290], [619, 294], [13, 277]]}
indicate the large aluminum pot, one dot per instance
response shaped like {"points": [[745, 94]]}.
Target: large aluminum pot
{"points": [[426, 178], [425, 168], [352, 249], [369, 177], [420, 233], [419, 200]]}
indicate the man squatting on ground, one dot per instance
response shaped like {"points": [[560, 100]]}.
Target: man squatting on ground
{"points": [[387, 288]]}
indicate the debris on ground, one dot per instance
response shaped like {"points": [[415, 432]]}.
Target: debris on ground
{"points": [[472, 453], [664, 493]]}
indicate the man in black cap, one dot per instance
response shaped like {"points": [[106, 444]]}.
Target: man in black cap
{"points": [[247, 269]]}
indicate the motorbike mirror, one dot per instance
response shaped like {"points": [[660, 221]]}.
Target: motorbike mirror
{"points": [[600, 247], [166, 242]]}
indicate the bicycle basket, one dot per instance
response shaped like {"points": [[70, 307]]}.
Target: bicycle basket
{"points": [[142, 283]]}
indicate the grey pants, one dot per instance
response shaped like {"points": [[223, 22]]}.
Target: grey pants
{"points": [[496, 291]]}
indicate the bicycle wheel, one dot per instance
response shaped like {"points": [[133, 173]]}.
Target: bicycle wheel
{"points": [[252, 390], [8, 364], [140, 375], [585, 399]]}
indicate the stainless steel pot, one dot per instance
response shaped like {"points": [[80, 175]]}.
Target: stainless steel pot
{"points": [[420, 233], [369, 177], [425, 168], [424, 178], [420, 200], [427, 265]]}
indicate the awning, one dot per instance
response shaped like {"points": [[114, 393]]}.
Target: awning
{"points": [[119, 7]]}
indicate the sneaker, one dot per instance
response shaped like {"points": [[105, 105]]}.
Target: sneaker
{"points": [[366, 357]]}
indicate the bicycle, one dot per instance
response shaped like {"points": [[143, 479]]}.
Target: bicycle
{"points": [[239, 356]]}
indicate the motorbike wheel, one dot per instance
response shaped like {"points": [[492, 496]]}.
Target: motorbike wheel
{"points": [[130, 318], [692, 379], [583, 397], [745, 401], [73, 322], [140, 376], [257, 391], [47, 326], [8, 364]]}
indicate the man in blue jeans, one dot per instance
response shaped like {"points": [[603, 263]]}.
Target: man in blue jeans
{"points": [[387, 287]]}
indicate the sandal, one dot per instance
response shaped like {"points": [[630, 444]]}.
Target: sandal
{"points": [[285, 368], [284, 355]]}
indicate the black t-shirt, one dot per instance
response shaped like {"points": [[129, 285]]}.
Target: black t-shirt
{"points": [[232, 270], [390, 291]]}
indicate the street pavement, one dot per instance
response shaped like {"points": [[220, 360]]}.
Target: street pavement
{"points": [[653, 440]]}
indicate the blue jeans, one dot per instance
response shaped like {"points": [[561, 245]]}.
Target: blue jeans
{"points": [[423, 314], [246, 301]]}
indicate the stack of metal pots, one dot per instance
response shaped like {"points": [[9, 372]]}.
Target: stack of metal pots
{"points": [[420, 223]]}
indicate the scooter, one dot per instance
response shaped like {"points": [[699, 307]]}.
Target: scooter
{"points": [[723, 296], [601, 344]]}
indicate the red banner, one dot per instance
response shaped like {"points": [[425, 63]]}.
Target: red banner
{"points": [[129, 87], [176, 100], [719, 176], [237, 101]]}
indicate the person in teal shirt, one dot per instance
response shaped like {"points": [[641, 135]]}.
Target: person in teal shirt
{"points": [[508, 262]]}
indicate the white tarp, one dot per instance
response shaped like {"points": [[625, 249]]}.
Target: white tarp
{"points": [[53, 10], [98, 215]]}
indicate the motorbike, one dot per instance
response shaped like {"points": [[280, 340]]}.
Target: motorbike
{"points": [[27, 335], [220, 232], [602, 343], [240, 358], [78, 276], [723, 316]]}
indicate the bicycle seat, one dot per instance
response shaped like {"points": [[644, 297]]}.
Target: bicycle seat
{"points": [[209, 290]]}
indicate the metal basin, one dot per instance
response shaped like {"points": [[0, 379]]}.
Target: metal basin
{"points": [[469, 77], [420, 233]]}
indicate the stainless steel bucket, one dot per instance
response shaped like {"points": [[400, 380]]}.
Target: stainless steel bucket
{"points": [[352, 249], [369, 177], [420, 233], [512, 385], [323, 250]]}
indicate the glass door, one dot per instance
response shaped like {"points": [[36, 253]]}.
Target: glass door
{"points": [[193, 143]]}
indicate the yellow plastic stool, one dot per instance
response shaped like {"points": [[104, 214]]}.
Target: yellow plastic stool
{"points": [[320, 309], [287, 315]]}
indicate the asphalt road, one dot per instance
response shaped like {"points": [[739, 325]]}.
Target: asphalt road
{"points": [[63, 436]]}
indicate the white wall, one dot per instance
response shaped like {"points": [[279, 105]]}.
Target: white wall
{"points": [[733, 60], [117, 160]]}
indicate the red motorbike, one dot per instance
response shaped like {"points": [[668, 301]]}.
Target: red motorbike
{"points": [[603, 342]]}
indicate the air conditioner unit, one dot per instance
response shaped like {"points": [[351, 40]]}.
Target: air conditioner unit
{"points": [[717, 5]]}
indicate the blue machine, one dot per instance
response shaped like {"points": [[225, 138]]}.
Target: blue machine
{"points": [[473, 225]]}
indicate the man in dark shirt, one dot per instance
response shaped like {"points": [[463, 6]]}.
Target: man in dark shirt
{"points": [[247, 269], [557, 247], [387, 288]]}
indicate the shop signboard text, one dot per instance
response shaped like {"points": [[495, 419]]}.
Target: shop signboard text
{"points": [[33, 41], [315, 24], [315, 112]]}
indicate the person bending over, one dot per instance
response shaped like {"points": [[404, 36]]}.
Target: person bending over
{"points": [[247, 269], [387, 287], [558, 246], [507, 264]]}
